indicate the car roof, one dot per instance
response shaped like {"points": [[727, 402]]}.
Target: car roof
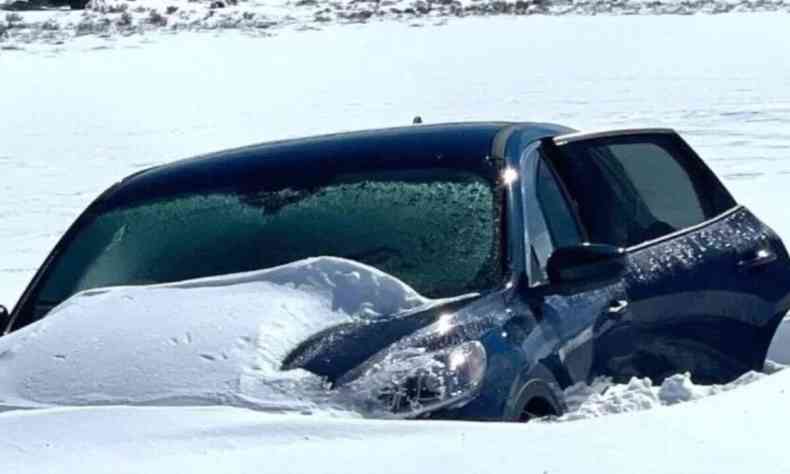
{"points": [[456, 144]]}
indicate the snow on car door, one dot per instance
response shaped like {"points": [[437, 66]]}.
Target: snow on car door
{"points": [[647, 191]]}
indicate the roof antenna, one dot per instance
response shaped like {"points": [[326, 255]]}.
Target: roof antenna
{"points": [[417, 120]]}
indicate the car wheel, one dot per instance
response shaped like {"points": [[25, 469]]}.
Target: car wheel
{"points": [[536, 408], [535, 400]]}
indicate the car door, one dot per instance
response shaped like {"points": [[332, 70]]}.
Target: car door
{"points": [[692, 299], [571, 323]]}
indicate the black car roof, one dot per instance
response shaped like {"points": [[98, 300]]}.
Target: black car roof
{"points": [[454, 144]]}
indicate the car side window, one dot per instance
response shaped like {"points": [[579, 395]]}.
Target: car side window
{"points": [[559, 217], [632, 189], [550, 219]]}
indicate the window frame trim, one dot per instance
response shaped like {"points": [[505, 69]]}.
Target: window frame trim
{"points": [[686, 230], [561, 140]]}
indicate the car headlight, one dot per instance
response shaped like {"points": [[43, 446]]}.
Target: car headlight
{"points": [[414, 381]]}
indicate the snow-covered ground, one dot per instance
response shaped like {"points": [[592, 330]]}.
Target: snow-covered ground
{"points": [[739, 431], [77, 117]]}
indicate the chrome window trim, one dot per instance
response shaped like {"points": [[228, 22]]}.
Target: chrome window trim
{"points": [[685, 230], [579, 136]]}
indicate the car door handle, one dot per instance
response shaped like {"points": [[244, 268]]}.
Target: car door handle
{"points": [[760, 257], [617, 308]]}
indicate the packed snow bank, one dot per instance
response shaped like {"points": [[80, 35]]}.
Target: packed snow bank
{"points": [[602, 397], [217, 340], [115, 18], [739, 431]]}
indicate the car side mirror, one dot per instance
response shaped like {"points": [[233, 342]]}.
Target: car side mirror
{"points": [[586, 264]]}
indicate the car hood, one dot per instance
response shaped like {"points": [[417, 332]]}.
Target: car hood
{"points": [[344, 352], [335, 351]]}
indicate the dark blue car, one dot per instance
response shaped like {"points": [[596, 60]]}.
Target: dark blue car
{"points": [[550, 257]]}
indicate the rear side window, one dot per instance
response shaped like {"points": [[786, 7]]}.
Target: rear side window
{"points": [[633, 188], [665, 188]]}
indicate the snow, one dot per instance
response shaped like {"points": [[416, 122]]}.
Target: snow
{"points": [[218, 340], [78, 116], [738, 431], [118, 18], [602, 397]]}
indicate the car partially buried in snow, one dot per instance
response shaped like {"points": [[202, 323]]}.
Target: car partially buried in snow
{"points": [[543, 257]]}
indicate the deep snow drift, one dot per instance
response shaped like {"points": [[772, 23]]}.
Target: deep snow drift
{"points": [[218, 340], [602, 397], [739, 431]]}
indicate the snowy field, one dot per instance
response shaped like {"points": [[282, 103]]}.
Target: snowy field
{"points": [[33, 21], [79, 116], [736, 432]]}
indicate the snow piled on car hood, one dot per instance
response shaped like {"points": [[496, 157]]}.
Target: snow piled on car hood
{"points": [[217, 340]]}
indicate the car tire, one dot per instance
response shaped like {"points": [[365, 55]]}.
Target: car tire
{"points": [[535, 400]]}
